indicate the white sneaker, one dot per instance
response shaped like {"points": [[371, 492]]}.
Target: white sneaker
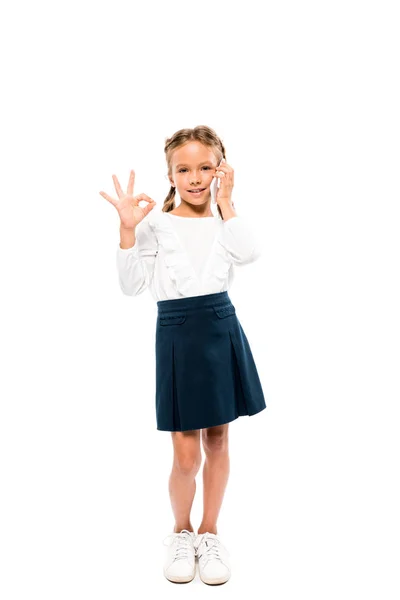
{"points": [[180, 561], [214, 564]]}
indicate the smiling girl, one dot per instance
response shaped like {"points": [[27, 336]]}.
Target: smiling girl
{"points": [[206, 376]]}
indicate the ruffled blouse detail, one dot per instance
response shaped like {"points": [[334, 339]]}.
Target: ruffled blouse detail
{"points": [[180, 269]]}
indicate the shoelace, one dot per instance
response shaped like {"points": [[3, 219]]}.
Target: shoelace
{"points": [[183, 540], [211, 549]]}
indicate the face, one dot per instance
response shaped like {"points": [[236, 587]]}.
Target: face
{"points": [[193, 166]]}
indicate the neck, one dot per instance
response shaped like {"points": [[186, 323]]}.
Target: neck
{"points": [[188, 210]]}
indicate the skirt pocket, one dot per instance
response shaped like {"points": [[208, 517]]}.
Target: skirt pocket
{"points": [[172, 319], [224, 311]]}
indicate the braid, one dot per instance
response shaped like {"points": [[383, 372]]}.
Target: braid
{"points": [[169, 202]]}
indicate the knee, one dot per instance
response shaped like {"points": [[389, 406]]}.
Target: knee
{"points": [[187, 464], [215, 441]]}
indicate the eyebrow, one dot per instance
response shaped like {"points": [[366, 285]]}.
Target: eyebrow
{"points": [[184, 165]]}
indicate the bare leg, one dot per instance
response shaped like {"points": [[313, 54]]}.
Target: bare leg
{"points": [[182, 482], [215, 474]]}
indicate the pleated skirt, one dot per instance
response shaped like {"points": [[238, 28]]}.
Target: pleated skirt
{"points": [[205, 371]]}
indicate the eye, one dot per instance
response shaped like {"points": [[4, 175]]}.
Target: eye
{"points": [[181, 170]]}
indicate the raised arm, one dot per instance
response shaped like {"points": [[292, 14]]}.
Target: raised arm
{"points": [[237, 235], [138, 245]]}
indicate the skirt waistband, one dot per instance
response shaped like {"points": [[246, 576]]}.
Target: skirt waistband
{"points": [[193, 302]]}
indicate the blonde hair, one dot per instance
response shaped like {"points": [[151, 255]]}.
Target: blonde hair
{"points": [[201, 133]]}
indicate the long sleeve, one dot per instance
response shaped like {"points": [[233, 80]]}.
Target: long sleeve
{"points": [[237, 237], [136, 265]]}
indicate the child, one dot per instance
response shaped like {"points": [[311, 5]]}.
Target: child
{"points": [[206, 376]]}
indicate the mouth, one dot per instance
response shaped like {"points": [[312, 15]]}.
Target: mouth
{"points": [[197, 191]]}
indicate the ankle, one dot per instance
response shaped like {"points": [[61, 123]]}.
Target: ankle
{"points": [[209, 529], [178, 529]]}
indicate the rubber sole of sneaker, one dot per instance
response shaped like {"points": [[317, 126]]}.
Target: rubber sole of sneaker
{"points": [[180, 579], [220, 581]]}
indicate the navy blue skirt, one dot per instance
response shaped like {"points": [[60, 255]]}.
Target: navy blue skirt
{"points": [[205, 370]]}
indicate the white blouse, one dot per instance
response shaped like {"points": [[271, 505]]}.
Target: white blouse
{"points": [[177, 256]]}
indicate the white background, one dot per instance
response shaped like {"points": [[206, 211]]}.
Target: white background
{"points": [[305, 96]]}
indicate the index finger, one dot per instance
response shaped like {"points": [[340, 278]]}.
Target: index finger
{"points": [[117, 186]]}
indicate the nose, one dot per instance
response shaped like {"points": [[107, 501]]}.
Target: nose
{"points": [[195, 179]]}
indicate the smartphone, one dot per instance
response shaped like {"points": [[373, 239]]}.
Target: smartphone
{"points": [[214, 187]]}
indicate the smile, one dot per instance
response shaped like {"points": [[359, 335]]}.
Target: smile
{"points": [[197, 192]]}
